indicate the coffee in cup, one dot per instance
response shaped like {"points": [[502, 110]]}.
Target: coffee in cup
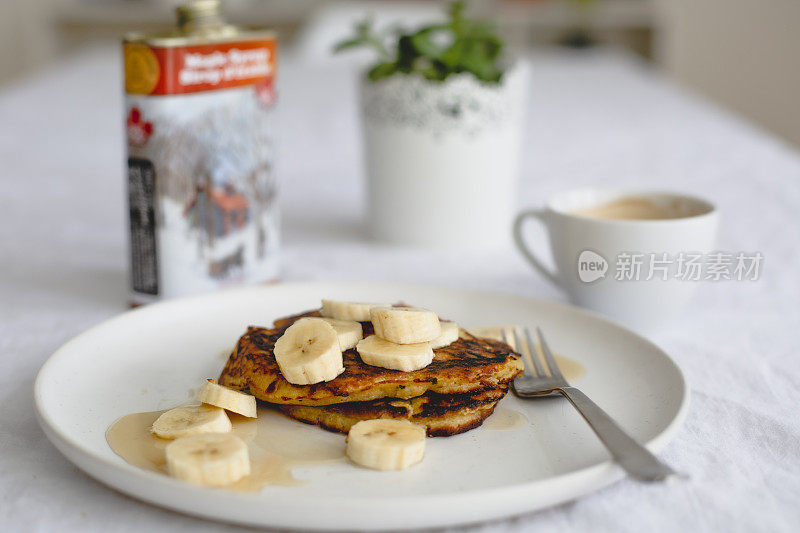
{"points": [[641, 208]]}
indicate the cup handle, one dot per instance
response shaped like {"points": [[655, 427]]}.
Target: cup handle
{"points": [[538, 214]]}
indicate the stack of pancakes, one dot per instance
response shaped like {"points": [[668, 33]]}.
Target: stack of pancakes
{"points": [[455, 393]]}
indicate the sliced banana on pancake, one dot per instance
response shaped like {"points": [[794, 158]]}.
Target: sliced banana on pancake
{"points": [[309, 352], [448, 335], [406, 357], [191, 420], [405, 325], [349, 331], [386, 444], [211, 459], [358, 311], [495, 333], [231, 400]]}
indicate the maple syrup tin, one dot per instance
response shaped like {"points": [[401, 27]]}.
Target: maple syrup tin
{"points": [[201, 182]]}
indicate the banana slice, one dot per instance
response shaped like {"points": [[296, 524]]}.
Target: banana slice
{"points": [[349, 331], [494, 332], [211, 459], [229, 399], [357, 311], [449, 334], [308, 352], [386, 444], [191, 420], [405, 325], [406, 357]]}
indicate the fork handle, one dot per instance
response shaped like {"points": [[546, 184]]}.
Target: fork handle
{"points": [[632, 456]]}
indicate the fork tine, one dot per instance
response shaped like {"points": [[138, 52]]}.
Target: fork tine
{"points": [[533, 355], [520, 347], [507, 340], [551, 361]]}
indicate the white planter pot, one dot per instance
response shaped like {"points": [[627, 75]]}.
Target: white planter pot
{"points": [[443, 159]]}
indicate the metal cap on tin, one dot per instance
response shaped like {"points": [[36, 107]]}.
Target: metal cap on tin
{"points": [[199, 15]]}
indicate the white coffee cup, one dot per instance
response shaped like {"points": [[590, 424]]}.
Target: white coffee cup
{"points": [[595, 255]]}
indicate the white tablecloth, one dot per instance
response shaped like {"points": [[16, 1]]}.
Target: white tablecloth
{"points": [[596, 118]]}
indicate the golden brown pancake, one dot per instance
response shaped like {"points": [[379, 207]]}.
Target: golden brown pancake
{"points": [[443, 415], [467, 365]]}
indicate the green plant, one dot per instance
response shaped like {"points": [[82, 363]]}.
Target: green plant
{"points": [[435, 51]]}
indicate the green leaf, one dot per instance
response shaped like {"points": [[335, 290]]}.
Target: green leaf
{"points": [[424, 45], [456, 9], [456, 12], [382, 71], [364, 27], [348, 43], [452, 56], [406, 54], [471, 46], [433, 74]]}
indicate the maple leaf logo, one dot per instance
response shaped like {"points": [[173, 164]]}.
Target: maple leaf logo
{"points": [[138, 131], [265, 92]]}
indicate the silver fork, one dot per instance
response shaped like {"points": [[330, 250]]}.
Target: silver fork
{"points": [[536, 383]]}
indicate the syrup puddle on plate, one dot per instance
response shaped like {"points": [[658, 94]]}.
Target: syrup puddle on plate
{"points": [[505, 418], [570, 368], [273, 444]]}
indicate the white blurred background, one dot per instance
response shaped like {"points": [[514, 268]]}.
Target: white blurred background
{"points": [[743, 54]]}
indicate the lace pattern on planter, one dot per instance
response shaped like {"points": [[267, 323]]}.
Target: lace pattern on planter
{"points": [[461, 104]]}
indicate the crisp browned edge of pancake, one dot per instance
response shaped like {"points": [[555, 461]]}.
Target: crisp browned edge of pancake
{"points": [[435, 404], [481, 414], [443, 415], [429, 404], [256, 344], [436, 426]]}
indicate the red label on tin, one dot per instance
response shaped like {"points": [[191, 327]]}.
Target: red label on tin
{"points": [[190, 69]]}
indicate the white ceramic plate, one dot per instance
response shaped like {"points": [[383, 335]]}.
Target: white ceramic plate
{"points": [[151, 358]]}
